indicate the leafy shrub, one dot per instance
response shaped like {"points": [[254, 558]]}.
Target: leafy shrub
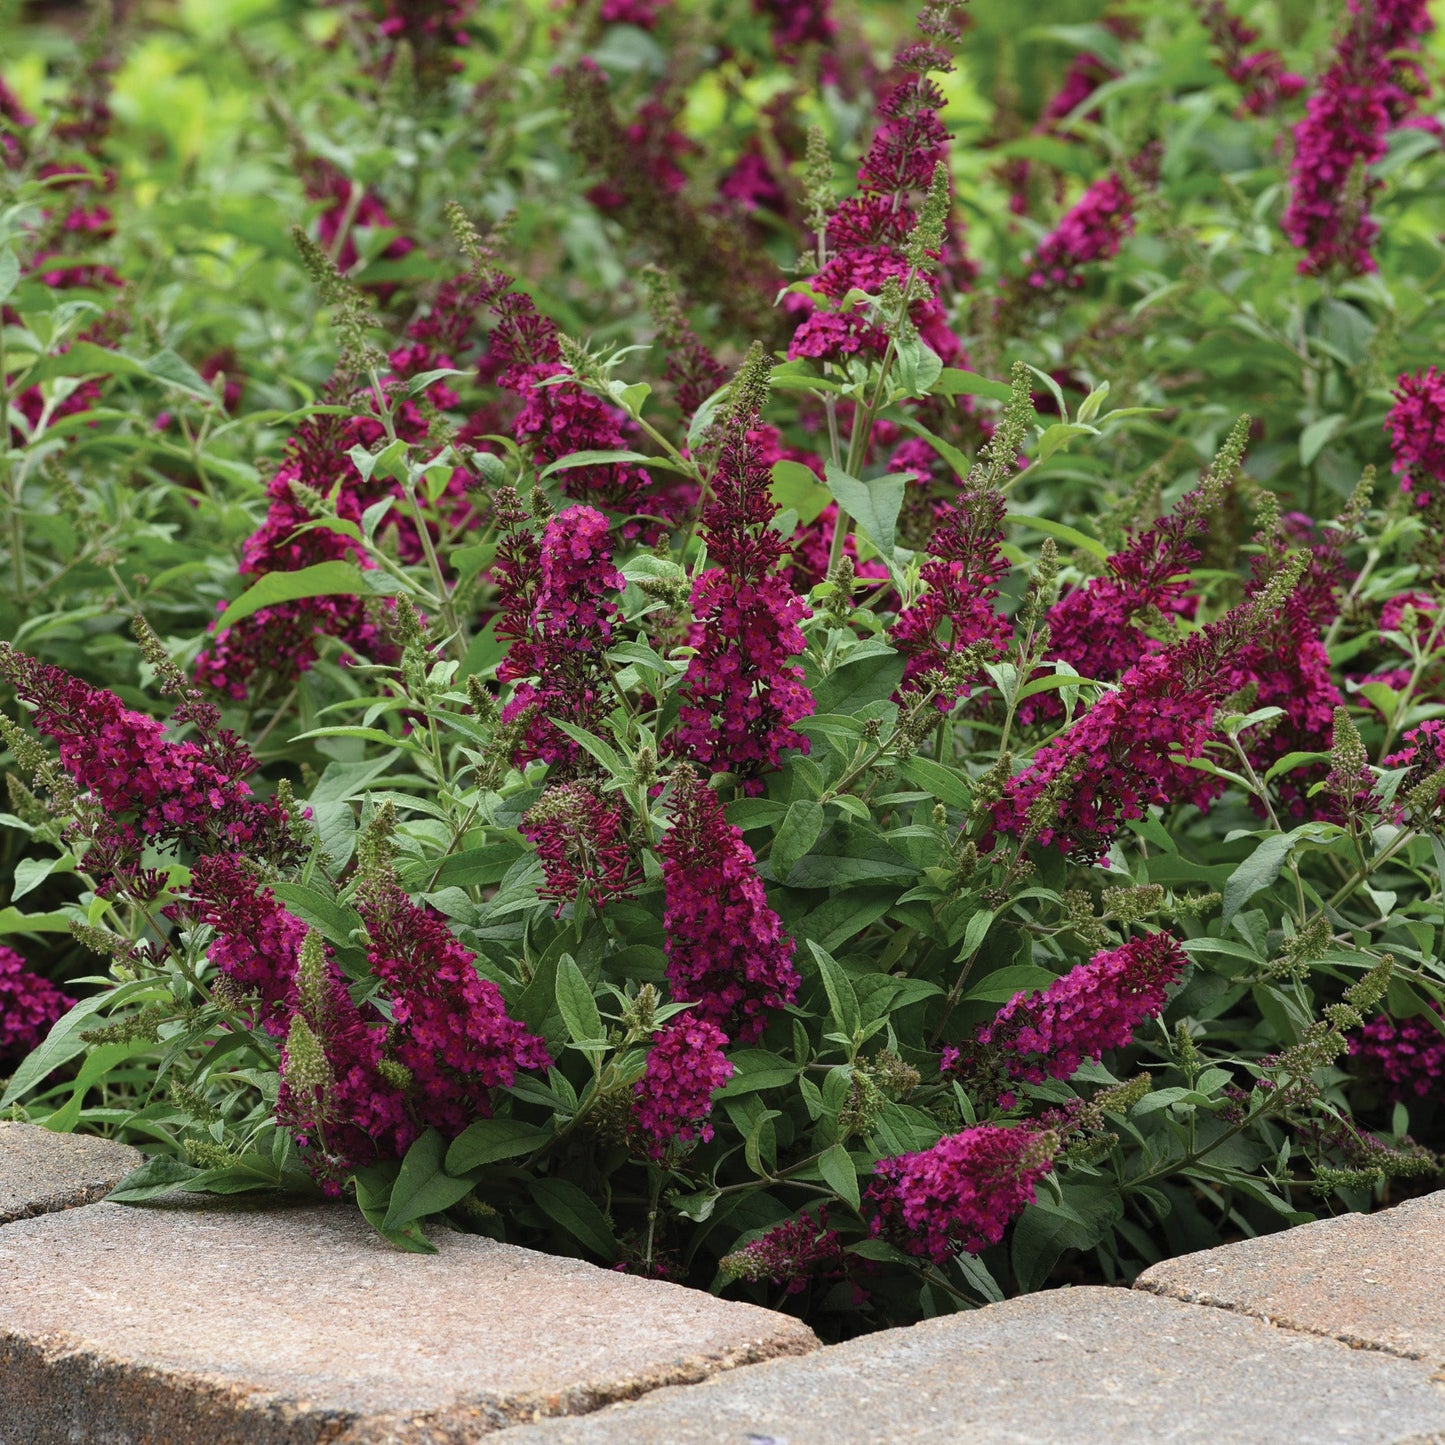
{"points": [[669, 797]]}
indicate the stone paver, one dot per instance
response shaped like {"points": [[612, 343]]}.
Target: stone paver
{"points": [[296, 1323], [1074, 1365], [41, 1172], [1372, 1280]]}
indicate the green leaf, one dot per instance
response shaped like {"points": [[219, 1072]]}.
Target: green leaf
{"points": [[1058, 436], [608, 756], [840, 1174], [598, 459], [755, 1070], [566, 1205], [797, 487], [842, 1001], [373, 1196], [953, 381], [1060, 532], [576, 1004], [797, 834], [9, 272], [325, 579], [334, 921], [98, 1063], [423, 1187], [1045, 1231], [860, 679], [32, 872], [873, 505], [1261, 868], [1001, 985], [1315, 437], [488, 1140], [158, 1175]]}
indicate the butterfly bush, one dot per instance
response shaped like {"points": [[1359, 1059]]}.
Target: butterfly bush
{"points": [[738, 732]]}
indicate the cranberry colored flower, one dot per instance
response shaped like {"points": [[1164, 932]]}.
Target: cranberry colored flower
{"points": [[1416, 424], [558, 613], [673, 1098], [1359, 98], [1406, 1055], [1424, 755], [1093, 229], [257, 942], [451, 1028], [29, 1005], [1093, 1008], [960, 607], [790, 1254], [961, 1193], [1118, 758], [335, 1097], [866, 234], [1263, 81], [742, 695], [148, 786], [726, 948], [580, 835]]}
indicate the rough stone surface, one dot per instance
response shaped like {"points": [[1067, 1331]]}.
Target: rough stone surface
{"points": [[41, 1172], [124, 1324], [1075, 1365], [1371, 1280]]}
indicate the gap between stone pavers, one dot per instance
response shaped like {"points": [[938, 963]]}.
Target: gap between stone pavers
{"points": [[41, 1172], [1074, 1366], [1370, 1281], [269, 1326]]}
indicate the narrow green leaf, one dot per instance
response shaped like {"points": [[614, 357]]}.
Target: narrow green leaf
{"points": [[576, 1004], [840, 1174], [873, 505], [488, 1140], [325, 579], [566, 1205], [423, 1187]]}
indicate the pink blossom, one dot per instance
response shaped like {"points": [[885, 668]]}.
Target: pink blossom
{"points": [[29, 1005], [580, 835], [1093, 1008], [1407, 1055], [1416, 424], [673, 1098], [726, 948], [451, 1029], [1092, 230], [961, 1193]]}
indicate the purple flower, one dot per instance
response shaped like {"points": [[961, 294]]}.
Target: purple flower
{"points": [[960, 607], [673, 1098], [790, 1254], [742, 694], [1093, 229], [1093, 1008], [1416, 424], [726, 948], [580, 835], [961, 1193], [29, 1005], [1407, 1055], [451, 1028], [558, 613]]}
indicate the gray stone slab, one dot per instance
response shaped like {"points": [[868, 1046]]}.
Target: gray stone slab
{"points": [[41, 1172], [1093, 1366], [1376, 1281], [289, 1324]]}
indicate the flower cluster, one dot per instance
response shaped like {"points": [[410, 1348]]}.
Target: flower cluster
{"points": [[1093, 1008], [867, 233], [429, 29], [790, 1254], [961, 1193], [29, 1005], [1407, 1055], [1424, 756], [960, 608], [1263, 81], [558, 614], [142, 787], [257, 942], [1416, 425], [451, 1032], [335, 1092], [1358, 99], [580, 835], [673, 1098], [726, 948], [1119, 757], [742, 695], [1093, 229]]}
